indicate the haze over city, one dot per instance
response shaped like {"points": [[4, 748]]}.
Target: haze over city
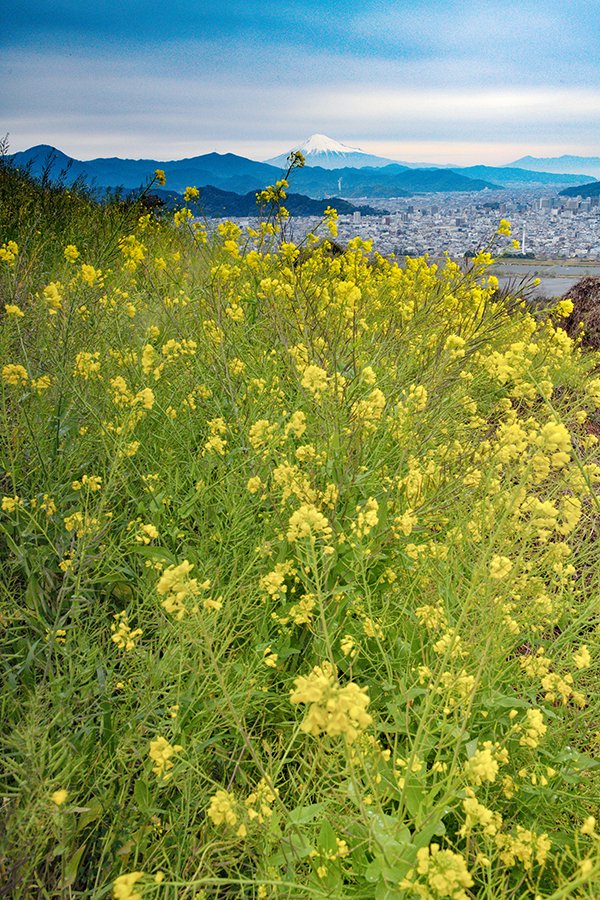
{"points": [[436, 82]]}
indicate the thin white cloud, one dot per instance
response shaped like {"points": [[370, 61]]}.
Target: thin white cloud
{"points": [[182, 102]]}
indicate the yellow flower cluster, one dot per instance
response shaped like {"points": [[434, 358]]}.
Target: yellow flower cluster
{"points": [[525, 846], [82, 523], [274, 193], [455, 346], [124, 396], [315, 380], [182, 217], [308, 522], [123, 886], [133, 251], [59, 797], [559, 689], [273, 584], [52, 294], [532, 730], [92, 482], [222, 808], [161, 753], [479, 816], [225, 809], [87, 365], [14, 374], [91, 276], [177, 587], [41, 384], [9, 252], [146, 532], [367, 518], [123, 635], [332, 709], [500, 566], [485, 763], [443, 873], [369, 410], [216, 442]]}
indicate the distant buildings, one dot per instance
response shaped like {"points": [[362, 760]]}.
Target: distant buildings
{"points": [[555, 226], [460, 224]]}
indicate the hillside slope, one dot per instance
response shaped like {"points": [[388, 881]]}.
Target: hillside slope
{"points": [[300, 580]]}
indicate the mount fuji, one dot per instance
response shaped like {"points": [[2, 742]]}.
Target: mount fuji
{"points": [[323, 151]]}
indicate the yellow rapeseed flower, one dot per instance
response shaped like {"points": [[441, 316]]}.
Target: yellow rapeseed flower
{"points": [[71, 253], [9, 252], [589, 826], [582, 658], [123, 886], [500, 566], [14, 374], [308, 522], [222, 808], [445, 874], [332, 709], [160, 753]]}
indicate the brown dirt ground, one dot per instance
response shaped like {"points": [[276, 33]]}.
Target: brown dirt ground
{"points": [[586, 308]]}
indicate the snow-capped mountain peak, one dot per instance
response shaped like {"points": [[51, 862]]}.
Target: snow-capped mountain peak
{"points": [[320, 143], [321, 150]]}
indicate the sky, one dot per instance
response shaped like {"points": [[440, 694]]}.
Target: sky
{"points": [[427, 80]]}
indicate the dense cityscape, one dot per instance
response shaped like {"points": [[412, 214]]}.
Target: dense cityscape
{"points": [[558, 237], [546, 225]]}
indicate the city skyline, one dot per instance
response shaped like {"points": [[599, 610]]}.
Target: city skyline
{"points": [[435, 82]]}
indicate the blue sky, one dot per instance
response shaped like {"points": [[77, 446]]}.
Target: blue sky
{"points": [[439, 81]]}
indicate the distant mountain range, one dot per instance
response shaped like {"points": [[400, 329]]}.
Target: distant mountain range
{"points": [[237, 175], [582, 165], [214, 202], [327, 153], [509, 176], [583, 190], [228, 172]]}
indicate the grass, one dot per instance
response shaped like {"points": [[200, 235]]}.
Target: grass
{"points": [[300, 583]]}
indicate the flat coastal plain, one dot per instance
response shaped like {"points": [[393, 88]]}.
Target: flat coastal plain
{"points": [[557, 276]]}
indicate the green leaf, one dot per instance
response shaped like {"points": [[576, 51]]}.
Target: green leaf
{"points": [[471, 748], [387, 892], [373, 870], [141, 794], [413, 796], [327, 838], [92, 812], [157, 553], [302, 815], [503, 701], [72, 867], [424, 836]]}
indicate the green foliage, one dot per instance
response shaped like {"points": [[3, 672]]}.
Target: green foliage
{"points": [[300, 584]]}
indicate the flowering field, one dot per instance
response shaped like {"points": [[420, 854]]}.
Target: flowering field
{"points": [[299, 590]]}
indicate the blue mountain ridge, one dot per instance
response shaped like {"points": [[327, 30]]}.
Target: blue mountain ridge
{"points": [[237, 174]]}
